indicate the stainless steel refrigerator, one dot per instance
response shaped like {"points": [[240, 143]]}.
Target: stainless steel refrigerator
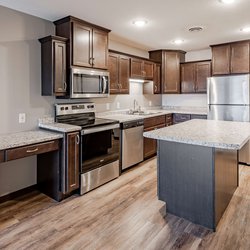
{"points": [[229, 100]]}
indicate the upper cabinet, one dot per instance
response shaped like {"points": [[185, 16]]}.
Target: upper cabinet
{"points": [[170, 68], [157, 78], [231, 58], [53, 63], [194, 76], [142, 69], [88, 43], [119, 70]]}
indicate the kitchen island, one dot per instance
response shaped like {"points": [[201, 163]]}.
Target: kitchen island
{"points": [[198, 167]]}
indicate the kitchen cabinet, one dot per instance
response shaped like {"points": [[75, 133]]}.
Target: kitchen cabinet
{"points": [[194, 76], [53, 61], [88, 43], [150, 145], [72, 161], [119, 70], [231, 58], [141, 69], [170, 68], [157, 78]]}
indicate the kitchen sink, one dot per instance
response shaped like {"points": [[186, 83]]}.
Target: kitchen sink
{"points": [[131, 112]]}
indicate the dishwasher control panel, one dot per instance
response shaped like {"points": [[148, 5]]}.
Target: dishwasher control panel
{"points": [[132, 124]]}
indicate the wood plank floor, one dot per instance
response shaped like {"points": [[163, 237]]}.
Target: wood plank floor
{"points": [[123, 214]]}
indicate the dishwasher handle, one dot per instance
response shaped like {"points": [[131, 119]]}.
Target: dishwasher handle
{"points": [[132, 124]]}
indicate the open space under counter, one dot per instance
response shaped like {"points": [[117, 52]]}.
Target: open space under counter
{"points": [[198, 167]]}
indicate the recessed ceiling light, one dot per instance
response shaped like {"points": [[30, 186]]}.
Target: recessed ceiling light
{"points": [[140, 22], [178, 41], [195, 29], [246, 29], [227, 1]]}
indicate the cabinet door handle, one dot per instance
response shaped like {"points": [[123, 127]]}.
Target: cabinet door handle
{"points": [[31, 150], [64, 86], [93, 61], [77, 139], [155, 88]]}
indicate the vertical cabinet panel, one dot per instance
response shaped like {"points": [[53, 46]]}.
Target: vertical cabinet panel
{"points": [[240, 58], [119, 70], [82, 45], [60, 67], [221, 60], [53, 55], [1, 156], [73, 163], [148, 70], [113, 67], [157, 78], [124, 72], [100, 49], [188, 78], [203, 71], [136, 68]]}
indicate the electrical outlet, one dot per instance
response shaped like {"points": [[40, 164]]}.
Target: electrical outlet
{"points": [[22, 118], [108, 106], [150, 103], [118, 105]]}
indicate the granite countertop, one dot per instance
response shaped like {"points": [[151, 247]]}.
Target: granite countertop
{"points": [[209, 133], [19, 139], [59, 127], [123, 116]]}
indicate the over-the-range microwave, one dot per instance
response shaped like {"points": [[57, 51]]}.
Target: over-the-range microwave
{"points": [[89, 83]]}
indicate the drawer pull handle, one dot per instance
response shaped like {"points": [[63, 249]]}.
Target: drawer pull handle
{"points": [[32, 150]]}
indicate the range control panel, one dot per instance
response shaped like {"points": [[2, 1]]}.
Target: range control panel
{"points": [[74, 108]]}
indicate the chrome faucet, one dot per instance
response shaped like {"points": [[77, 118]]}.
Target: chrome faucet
{"points": [[135, 105]]}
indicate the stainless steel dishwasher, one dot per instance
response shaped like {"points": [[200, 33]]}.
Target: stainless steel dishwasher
{"points": [[131, 143]]}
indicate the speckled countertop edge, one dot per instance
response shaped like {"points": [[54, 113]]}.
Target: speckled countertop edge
{"points": [[19, 139], [59, 127], [218, 134]]}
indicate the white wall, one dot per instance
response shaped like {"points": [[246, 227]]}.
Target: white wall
{"points": [[191, 100]]}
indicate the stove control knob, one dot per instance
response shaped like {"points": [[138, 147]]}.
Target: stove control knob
{"points": [[62, 108]]}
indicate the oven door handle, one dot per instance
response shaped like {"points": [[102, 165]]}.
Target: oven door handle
{"points": [[99, 129]]}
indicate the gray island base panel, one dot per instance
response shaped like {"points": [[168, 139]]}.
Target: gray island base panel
{"points": [[196, 182]]}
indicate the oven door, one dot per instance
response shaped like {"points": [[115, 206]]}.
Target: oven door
{"points": [[99, 147]]}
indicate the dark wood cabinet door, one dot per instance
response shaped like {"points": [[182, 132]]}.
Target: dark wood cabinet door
{"points": [[82, 45], [221, 60], [203, 71], [157, 78], [240, 57], [171, 76], [73, 163], [100, 49], [60, 85], [148, 70], [188, 78], [124, 72], [136, 68], [113, 67]]}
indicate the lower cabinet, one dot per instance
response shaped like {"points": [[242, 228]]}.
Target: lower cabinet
{"points": [[72, 161], [150, 145]]}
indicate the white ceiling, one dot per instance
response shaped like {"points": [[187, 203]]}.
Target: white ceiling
{"points": [[167, 19]]}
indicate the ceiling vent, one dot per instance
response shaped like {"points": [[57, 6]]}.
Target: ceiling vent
{"points": [[195, 29]]}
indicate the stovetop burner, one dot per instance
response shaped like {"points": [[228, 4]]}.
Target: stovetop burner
{"points": [[82, 115]]}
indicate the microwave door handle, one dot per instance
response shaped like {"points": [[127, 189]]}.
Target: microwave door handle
{"points": [[104, 84]]}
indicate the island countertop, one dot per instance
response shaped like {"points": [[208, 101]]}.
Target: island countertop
{"points": [[209, 133]]}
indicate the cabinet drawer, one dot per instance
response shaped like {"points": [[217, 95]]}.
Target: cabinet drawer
{"points": [[199, 117], [16, 153], [154, 121], [1, 156], [181, 118]]}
